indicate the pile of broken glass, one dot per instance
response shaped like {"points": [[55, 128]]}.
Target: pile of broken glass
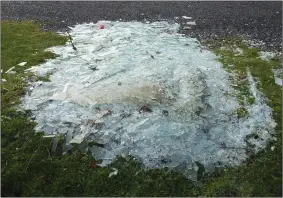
{"points": [[143, 90]]}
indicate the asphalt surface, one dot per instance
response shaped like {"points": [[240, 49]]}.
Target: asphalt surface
{"points": [[255, 20]]}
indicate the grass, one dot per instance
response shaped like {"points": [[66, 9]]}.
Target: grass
{"points": [[30, 168]]}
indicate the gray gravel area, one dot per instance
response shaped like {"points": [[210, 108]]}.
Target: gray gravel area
{"points": [[256, 20]]}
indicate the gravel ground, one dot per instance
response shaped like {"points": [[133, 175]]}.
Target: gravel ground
{"points": [[256, 20]]}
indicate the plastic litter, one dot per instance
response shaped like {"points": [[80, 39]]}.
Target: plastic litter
{"points": [[3, 80], [115, 172], [170, 111]]}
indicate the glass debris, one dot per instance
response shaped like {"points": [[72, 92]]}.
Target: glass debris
{"points": [[168, 111]]}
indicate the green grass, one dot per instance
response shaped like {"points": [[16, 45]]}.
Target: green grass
{"points": [[30, 168]]}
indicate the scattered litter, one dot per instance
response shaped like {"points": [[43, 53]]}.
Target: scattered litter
{"points": [[272, 148], [186, 17], [12, 72], [4, 80], [22, 63], [115, 172], [9, 70]]}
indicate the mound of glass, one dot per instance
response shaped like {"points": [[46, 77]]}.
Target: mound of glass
{"points": [[144, 90]]}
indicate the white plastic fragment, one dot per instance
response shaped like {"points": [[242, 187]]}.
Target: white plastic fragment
{"points": [[22, 63], [4, 80], [272, 148], [115, 172], [9, 70]]}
